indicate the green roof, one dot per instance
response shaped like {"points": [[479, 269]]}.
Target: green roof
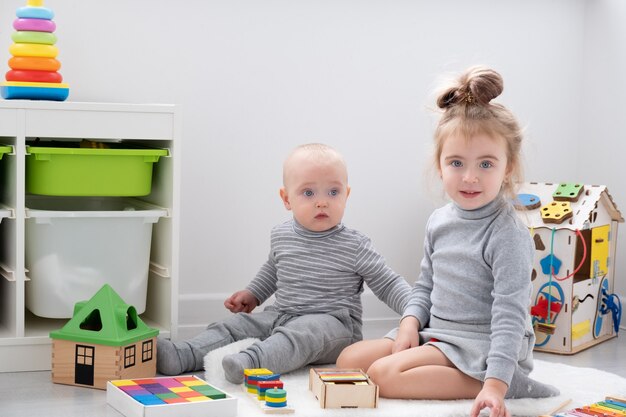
{"points": [[105, 320]]}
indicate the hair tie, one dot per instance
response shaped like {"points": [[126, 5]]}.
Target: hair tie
{"points": [[469, 98]]}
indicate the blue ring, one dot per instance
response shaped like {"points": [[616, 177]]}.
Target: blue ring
{"points": [[29, 12]]}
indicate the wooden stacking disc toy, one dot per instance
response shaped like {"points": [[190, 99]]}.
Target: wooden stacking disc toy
{"points": [[263, 386], [276, 397], [35, 25], [34, 63]]}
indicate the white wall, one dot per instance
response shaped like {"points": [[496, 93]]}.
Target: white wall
{"points": [[256, 78], [602, 141]]}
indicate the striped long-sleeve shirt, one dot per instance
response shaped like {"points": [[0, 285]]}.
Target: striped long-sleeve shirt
{"points": [[319, 272]]}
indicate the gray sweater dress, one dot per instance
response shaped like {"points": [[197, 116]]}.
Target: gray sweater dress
{"points": [[473, 294]]}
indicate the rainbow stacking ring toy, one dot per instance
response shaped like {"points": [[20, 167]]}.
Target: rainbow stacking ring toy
{"points": [[34, 68]]}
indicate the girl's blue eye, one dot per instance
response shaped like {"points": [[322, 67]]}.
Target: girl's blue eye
{"points": [[486, 164], [456, 164], [308, 193], [333, 193]]}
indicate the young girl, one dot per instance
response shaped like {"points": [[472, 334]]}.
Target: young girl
{"points": [[466, 332]]}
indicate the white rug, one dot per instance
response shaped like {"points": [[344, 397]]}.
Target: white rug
{"points": [[580, 385]]}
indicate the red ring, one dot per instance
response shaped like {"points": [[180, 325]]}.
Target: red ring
{"points": [[34, 76]]}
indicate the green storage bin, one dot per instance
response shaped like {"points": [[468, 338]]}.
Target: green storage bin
{"points": [[74, 171], [5, 149]]}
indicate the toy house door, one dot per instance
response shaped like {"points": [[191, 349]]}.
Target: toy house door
{"points": [[84, 365], [599, 251]]}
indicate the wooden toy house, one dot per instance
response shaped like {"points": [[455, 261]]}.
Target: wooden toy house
{"points": [[574, 228], [104, 340]]}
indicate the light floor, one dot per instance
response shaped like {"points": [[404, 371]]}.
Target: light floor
{"points": [[28, 394]]}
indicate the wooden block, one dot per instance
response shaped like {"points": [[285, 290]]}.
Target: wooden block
{"points": [[527, 202], [556, 212], [568, 192]]}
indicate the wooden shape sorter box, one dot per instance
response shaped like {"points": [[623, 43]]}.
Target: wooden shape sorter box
{"points": [[187, 396], [343, 388], [574, 229]]}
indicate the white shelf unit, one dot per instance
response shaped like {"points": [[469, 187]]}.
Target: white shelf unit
{"points": [[24, 341]]}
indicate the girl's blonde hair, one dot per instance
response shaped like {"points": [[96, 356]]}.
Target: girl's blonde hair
{"points": [[468, 111]]}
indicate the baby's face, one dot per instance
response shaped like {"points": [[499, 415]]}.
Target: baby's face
{"points": [[316, 191]]}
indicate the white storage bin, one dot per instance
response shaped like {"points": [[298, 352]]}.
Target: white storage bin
{"points": [[75, 245]]}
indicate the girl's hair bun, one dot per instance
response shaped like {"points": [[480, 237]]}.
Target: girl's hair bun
{"points": [[476, 86]]}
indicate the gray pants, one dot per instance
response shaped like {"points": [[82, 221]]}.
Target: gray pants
{"points": [[287, 342]]}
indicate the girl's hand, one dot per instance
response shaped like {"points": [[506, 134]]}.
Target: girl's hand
{"points": [[407, 335], [492, 396], [241, 301]]}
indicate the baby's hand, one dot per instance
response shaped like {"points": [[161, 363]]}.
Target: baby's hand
{"points": [[241, 301], [492, 396]]}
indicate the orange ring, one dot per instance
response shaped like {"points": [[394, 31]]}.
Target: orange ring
{"points": [[34, 63], [34, 76]]}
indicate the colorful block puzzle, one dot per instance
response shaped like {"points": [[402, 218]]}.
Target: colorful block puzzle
{"points": [[169, 396]]}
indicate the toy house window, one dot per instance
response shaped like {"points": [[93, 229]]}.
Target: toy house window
{"points": [[92, 322], [147, 349], [131, 318], [129, 356], [84, 355]]}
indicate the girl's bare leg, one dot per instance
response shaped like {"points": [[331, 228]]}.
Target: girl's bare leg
{"points": [[362, 354], [423, 372]]}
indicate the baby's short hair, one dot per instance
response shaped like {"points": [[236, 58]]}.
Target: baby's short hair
{"points": [[319, 151]]}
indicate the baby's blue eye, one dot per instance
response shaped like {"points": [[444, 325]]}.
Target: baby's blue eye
{"points": [[333, 193], [456, 164], [486, 164], [308, 193]]}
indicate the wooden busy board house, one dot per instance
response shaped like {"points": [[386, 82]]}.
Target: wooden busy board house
{"points": [[574, 229], [343, 388]]}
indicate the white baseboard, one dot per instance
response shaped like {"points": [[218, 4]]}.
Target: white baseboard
{"points": [[196, 311]]}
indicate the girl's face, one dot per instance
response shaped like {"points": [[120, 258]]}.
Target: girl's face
{"points": [[473, 170]]}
